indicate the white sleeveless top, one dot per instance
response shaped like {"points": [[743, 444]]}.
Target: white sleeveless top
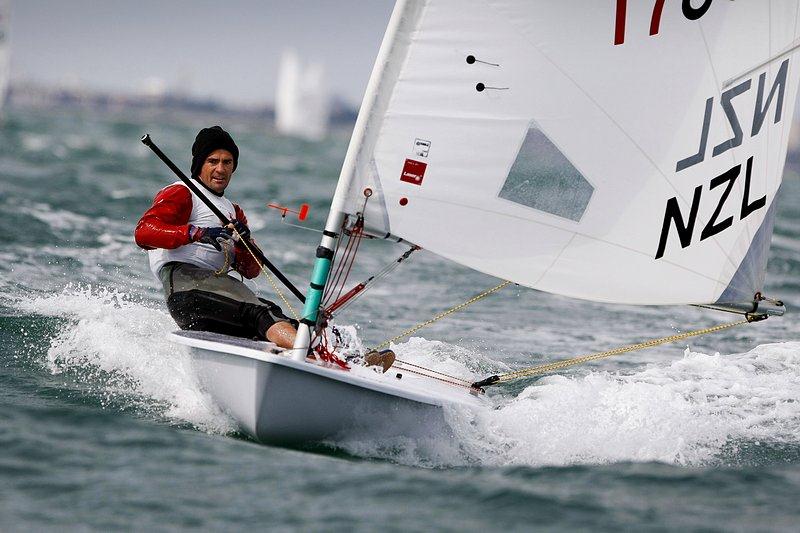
{"points": [[195, 253]]}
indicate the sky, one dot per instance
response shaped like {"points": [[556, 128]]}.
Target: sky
{"points": [[224, 50]]}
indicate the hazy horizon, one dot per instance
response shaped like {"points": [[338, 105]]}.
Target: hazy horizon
{"points": [[229, 53]]}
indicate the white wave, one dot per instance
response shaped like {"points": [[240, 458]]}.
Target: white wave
{"points": [[57, 219], [123, 194], [685, 412], [33, 142], [76, 141], [111, 341]]}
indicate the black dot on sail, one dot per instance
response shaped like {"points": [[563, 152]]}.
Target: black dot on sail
{"points": [[470, 59], [480, 87]]}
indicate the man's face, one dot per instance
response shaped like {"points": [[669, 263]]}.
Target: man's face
{"points": [[217, 170]]}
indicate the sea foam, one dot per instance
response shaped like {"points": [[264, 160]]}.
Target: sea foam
{"points": [[685, 411], [694, 411], [119, 348]]}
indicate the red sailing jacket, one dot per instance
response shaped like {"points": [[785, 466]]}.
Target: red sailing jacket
{"points": [[166, 225]]}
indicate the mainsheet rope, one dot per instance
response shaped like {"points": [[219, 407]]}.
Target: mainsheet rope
{"points": [[564, 363], [555, 365]]}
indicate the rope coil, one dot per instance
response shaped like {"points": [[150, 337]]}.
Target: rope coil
{"points": [[226, 250]]}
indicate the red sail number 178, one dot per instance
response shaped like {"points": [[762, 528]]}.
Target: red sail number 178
{"points": [[689, 11]]}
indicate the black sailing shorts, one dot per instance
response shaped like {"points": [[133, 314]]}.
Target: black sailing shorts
{"points": [[199, 300]]}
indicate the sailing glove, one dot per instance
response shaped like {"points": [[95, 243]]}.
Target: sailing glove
{"points": [[241, 229], [212, 236]]}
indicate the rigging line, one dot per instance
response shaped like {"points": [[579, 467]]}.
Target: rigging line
{"points": [[558, 365], [340, 278], [426, 369], [459, 383], [332, 286], [441, 315], [357, 234], [334, 263], [357, 229], [339, 259], [385, 271], [271, 281]]}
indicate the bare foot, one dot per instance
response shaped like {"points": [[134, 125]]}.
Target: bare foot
{"points": [[384, 359]]}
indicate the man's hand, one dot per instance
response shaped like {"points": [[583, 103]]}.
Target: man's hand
{"points": [[241, 229], [212, 236]]}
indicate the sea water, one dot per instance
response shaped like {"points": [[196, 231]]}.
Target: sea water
{"points": [[103, 425]]}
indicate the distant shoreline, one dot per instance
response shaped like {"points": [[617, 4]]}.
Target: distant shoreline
{"points": [[40, 96]]}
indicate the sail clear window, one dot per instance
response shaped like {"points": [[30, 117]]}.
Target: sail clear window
{"points": [[542, 178]]}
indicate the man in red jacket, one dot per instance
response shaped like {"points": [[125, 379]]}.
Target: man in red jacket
{"points": [[192, 254]]}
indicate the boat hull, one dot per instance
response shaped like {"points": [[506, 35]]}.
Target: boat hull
{"points": [[277, 400]]}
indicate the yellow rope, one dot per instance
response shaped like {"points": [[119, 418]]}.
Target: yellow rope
{"points": [[271, 281], [558, 365], [441, 315], [226, 250]]}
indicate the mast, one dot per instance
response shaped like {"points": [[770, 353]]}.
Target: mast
{"points": [[375, 98]]}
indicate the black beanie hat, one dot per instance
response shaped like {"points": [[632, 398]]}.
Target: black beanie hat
{"points": [[208, 140]]}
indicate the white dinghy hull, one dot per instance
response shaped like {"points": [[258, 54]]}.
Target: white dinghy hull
{"points": [[277, 400]]}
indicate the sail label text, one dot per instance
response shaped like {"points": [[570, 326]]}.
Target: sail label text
{"points": [[413, 172], [685, 225], [421, 147]]}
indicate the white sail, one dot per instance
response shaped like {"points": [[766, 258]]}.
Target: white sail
{"points": [[302, 105], [5, 51], [619, 151]]}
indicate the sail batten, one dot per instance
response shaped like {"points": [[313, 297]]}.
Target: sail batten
{"points": [[549, 144]]}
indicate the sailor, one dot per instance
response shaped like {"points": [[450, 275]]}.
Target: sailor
{"points": [[193, 255]]}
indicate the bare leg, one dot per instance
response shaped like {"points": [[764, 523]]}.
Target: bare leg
{"points": [[282, 334]]}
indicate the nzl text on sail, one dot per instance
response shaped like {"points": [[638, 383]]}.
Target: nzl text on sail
{"points": [[685, 225]]}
